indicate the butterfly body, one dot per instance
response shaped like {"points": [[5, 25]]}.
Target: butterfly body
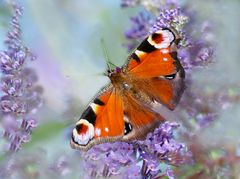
{"points": [[124, 110]]}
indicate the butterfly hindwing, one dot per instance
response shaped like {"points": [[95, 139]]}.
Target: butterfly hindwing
{"points": [[141, 119]]}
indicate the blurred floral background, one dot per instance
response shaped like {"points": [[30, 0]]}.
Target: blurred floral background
{"points": [[51, 60]]}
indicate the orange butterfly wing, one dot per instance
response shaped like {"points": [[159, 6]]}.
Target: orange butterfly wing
{"points": [[141, 119], [111, 117], [101, 121], [105, 125], [156, 59], [153, 64]]}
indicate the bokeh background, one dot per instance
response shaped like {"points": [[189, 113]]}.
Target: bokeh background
{"points": [[65, 36]]}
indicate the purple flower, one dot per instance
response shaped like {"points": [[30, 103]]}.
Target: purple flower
{"points": [[10, 64], [139, 30], [143, 157], [113, 155], [140, 26], [61, 166], [169, 173], [205, 119], [24, 165], [150, 166], [131, 172], [28, 124], [201, 108], [171, 18], [20, 96]]}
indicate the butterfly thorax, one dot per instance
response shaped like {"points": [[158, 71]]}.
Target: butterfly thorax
{"points": [[128, 86], [119, 78]]}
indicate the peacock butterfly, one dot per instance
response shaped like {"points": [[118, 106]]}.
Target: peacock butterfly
{"points": [[123, 110]]}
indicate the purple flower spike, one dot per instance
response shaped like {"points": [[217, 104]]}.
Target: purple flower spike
{"points": [[140, 29], [11, 86], [28, 124], [140, 26], [137, 159], [161, 144], [172, 18], [205, 119], [132, 172], [9, 65], [20, 94]]}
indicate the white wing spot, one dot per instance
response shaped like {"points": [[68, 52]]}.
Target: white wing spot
{"points": [[97, 132], [130, 127], [165, 51], [106, 129]]}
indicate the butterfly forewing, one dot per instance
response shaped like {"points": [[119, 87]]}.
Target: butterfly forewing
{"points": [[101, 121], [155, 60]]}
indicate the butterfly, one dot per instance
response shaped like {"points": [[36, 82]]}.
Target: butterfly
{"points": [[124, 109]]}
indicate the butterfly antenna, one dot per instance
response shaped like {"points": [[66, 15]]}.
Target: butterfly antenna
{"points": [[106, 55]]}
